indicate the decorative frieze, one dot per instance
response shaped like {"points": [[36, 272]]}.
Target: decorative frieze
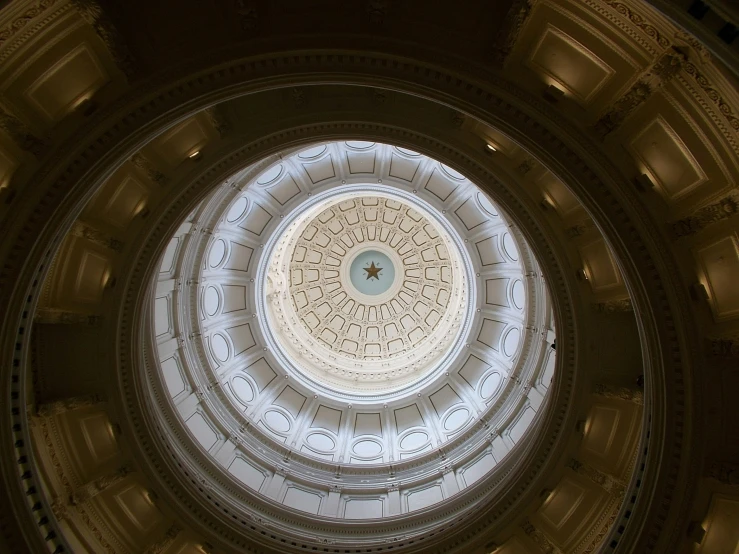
{"points": [[92, 526], [52, 316], [458, 119], [597, 540], [68, 404], [681, 37], [80, 229], [725, 472], [580, 229], [377, 10], [218, 120], [667, 66], [614, 486], [379, 96], [576, 231], [640, 22], [715, 96], [546, 545], [662, 71], [21, 134], [144, 164], [92, 12], [525, 166], [248, 14], [623, 107], [60, 509], [614, 306], [89, 490], [506, 37], [22, 22], [713, 213], [166, 541], [621, 393], [298, 97], [723, 347]]}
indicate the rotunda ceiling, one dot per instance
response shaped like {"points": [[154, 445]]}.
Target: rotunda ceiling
{"points": [[356, 311], [367, 291], [249, 424]]}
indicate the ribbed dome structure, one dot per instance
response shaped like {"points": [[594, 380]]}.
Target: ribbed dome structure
{"points": [[290, 351], [373, 285]]}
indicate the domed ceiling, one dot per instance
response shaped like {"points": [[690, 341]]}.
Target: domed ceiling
{"points": [[242, 400], [368, 294], [375, 295], [357, 312]]}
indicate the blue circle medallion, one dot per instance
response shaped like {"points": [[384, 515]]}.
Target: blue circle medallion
{"points": [[372, 272]]}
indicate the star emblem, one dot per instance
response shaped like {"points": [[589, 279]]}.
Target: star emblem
{"points": [[373, 271]]}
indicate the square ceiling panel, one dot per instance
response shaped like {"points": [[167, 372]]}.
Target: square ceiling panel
{"points": [[570, 64]]}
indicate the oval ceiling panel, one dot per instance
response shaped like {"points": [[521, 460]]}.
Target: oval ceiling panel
{"points": [[519, 294], [312, 152], [486, 204], [220, 347], [211, 301], [510, 343], [453, 173], [277, 421], [359, 144], [456, 419], [242, 389], [321, 441], [270, 175], [407, 152], [414, 440], [367, 448], [237, 210], [490, 385], [217, 253], [509, 245]]}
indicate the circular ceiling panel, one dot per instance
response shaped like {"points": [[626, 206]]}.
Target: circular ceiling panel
{"points": [[367, 292], [371, 272]]}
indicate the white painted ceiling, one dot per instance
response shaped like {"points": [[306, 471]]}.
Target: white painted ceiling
{"points": [[460, 345]]}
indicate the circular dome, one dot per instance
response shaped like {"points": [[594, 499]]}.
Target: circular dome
{"points": [[367, 291], [354, 316]]}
